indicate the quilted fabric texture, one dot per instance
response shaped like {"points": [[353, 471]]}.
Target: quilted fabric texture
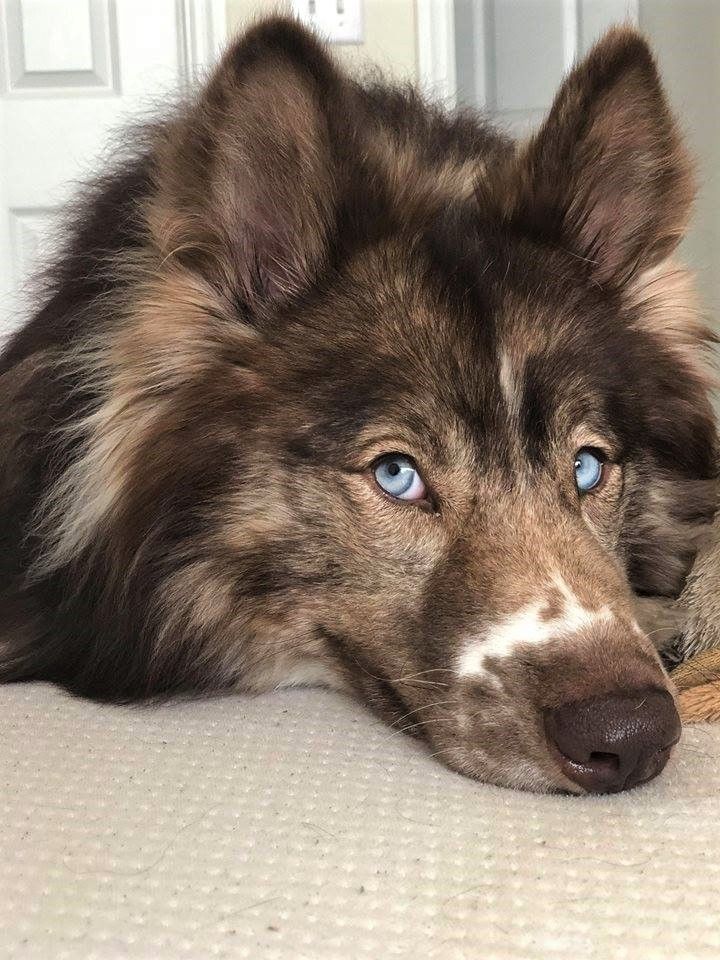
{"points": [[294, 825]]}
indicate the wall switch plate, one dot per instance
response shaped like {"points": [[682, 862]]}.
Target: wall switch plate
{"points": [[339, 21]]}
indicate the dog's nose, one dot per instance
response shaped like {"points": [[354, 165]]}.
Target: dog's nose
{"points": [[615, 742]]}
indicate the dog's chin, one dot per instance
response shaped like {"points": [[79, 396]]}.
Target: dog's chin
{"points": [[511, 772], [449, 744]]}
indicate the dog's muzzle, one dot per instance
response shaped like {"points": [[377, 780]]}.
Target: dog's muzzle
{"points": [[614, 742]]}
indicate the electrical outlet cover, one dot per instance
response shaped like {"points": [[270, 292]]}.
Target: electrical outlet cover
{"points": [[339, 21]]}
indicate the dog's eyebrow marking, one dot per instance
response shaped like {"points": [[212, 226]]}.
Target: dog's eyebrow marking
{"points": [[532, 625]]}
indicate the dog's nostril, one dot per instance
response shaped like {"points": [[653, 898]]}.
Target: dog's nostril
{"points": [[609, 760], [611, 743]]}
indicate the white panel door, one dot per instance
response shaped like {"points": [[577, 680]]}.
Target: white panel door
{"points": [[71, 73]]}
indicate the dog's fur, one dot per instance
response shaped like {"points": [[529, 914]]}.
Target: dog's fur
{"points": [[296, 274]]}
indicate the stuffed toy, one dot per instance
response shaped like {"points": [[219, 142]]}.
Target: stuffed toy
{"points": [[696, 647], [698, 684]]}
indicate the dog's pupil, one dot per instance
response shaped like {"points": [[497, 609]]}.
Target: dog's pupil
{"points": [[393, 469]]}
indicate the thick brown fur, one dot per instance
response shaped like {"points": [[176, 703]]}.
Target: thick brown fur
{"points": [[297, 274]]}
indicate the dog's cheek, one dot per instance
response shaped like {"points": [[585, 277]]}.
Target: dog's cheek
{"points": [[379, 553], [500, 737], [379, 558], [602, 512], [667, 519]]}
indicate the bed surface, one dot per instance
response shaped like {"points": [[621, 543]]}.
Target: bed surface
{"points": [[295, 825]]}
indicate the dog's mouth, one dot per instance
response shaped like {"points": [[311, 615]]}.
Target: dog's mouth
{"points": [[372, 683], [608, 744], [486, 728]]}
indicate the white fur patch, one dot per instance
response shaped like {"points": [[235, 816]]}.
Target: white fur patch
{"points": [[526, 626], [509, 384]]}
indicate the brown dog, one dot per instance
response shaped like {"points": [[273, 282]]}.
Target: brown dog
{"points": [[331, 386]]}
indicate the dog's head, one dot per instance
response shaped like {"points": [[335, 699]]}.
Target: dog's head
{"points": [[411, 409]]}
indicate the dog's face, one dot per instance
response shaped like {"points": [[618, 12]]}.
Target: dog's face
{"points": [[476, 474], [412, 411]]}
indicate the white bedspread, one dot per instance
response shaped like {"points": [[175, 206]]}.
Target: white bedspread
{"points": [[296, 826]]}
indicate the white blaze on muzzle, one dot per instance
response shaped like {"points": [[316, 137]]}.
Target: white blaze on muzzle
{"points": [[528, 626]]}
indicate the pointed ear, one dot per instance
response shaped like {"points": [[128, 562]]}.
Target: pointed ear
{"points": [[607, 175], [248, 177]]}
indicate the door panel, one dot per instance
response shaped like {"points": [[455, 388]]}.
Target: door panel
{"points": [[71, 74]]}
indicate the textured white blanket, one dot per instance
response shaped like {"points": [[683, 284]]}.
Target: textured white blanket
{"points": [[296, 826]]}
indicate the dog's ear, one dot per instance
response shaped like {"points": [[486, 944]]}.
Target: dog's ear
{"points": [[248, 177], [607, 175]]}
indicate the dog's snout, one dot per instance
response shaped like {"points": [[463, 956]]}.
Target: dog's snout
{"points": [[614, 742]]}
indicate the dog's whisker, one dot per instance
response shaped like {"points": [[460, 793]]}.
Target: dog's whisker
{"points": [[425, 706], [420, 723]]}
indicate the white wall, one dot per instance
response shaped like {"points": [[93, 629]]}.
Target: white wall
{"points": [[686, 37]]}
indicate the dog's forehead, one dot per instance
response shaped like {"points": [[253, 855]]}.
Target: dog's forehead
{"points": [[481, 349], [490, 333]]}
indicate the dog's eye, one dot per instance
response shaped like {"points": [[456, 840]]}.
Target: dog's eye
{"points": [[589, 468], [398, 476]]}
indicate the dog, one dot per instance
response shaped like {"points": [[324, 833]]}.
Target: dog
{"points": [[332, 386]]}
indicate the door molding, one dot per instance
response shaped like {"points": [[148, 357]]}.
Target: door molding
{"points": [[202, 33], [436, 49]]}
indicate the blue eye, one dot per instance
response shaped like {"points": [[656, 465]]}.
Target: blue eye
{"points": [[398, 476], [589, 466]]}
